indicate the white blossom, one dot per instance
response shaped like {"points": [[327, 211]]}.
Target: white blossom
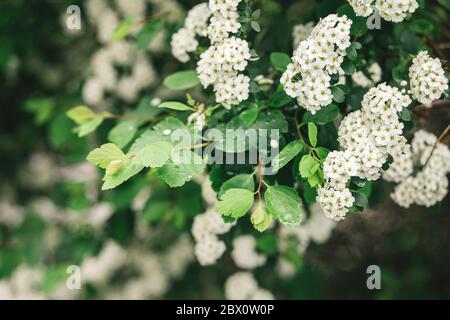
{"points": [[244, 253], [308, 77]]}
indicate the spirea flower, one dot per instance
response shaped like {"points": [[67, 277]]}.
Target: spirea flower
{"points": [[363, 8], [396, 10], [427, 78], [367, 136], [183, 41], [389, 10], [318, 57]]}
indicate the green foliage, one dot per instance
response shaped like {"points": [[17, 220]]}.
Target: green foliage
{"points": [[284, 204]]}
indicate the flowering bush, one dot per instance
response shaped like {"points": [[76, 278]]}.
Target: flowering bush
{"points": [[239, 131]]}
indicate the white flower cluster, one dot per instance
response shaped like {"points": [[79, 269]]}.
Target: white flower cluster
{"points": [[367, 137], [427, 78], [220, 65], [105, 78], [205, 229], [362, 8], [389, 10], [315, 60], [430, 185], [375, 74], [183, 41], [98, 269], [244, 253], [10, 214], [301, 32], [243, 286]]}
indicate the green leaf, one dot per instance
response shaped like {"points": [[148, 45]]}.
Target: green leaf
{"points": [[182, 80], [148, 33], [103, 155], [154, 155], [256, 14], [287, 154], [255, 26], [348, 67], [155, 211], [309, 193], [123, 29], [279, 98], [177, 173], [235, 203], [312, 133], [361, 199], [80, 114], [445, 3], [175, 106], [284, 204], [307, 163], [405, 114], [324, 115], [339, 91], [248, 117], [126, 171], [123, 133], [241, 181], [322, 152], [88, 127], [352, 54], [280, 60], [260, 218]]}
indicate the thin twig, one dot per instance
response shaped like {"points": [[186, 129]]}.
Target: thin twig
{"points": [[436, 143]]}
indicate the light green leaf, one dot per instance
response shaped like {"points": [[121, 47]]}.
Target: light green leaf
{"points": [[103, 155], [177, 173], [175, 106], [241, 181], [312, 134], [123, 29], [235, 203], [182, 80], [280, 60], [80, 114], [148, 33], [260, 218], [287, 154], [284, 204], [307, 163], [154, 155]]}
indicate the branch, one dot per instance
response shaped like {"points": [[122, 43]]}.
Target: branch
{"points": [[436, 143]]}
